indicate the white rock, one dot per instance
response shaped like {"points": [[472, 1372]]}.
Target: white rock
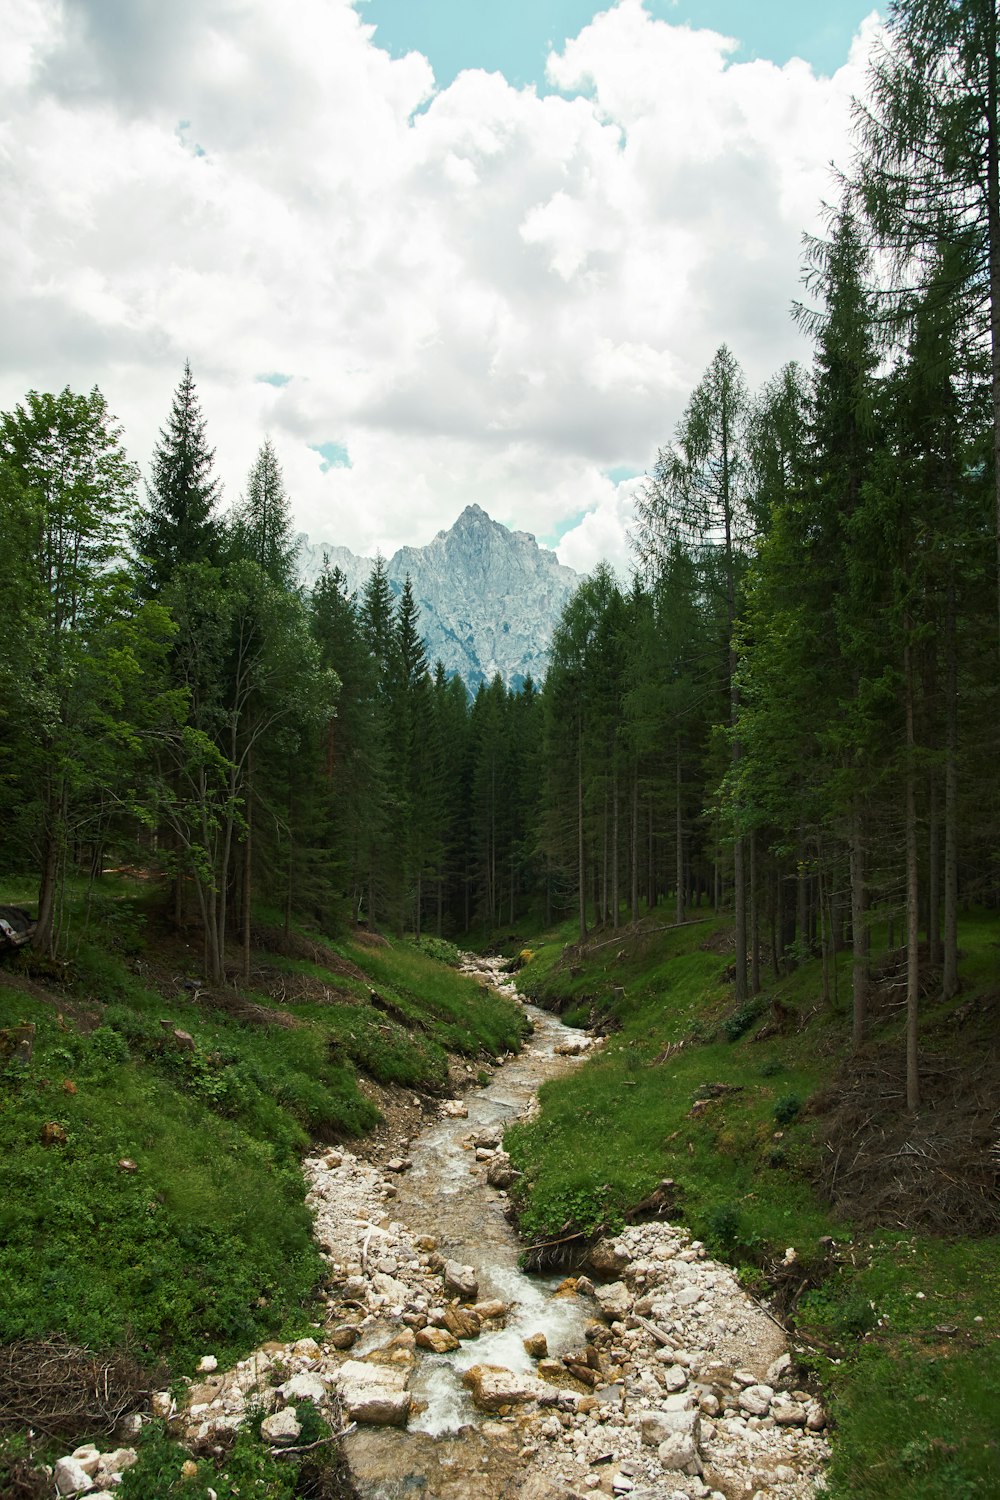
{"points": [[282, 1427], [756, 1400], [679, 1452], [115, 1463], [614, 1300], [88, 1457], [304, 1387], [207, 1364], [71, 1477], [375, 1393]]}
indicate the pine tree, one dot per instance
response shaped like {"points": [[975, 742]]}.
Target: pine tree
{"points": [[262, 523], [179, 525]]}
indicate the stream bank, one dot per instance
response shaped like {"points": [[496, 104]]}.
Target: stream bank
{"points": [[459, 1375]]}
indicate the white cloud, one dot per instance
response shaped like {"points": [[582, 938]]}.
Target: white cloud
{"points": [[482, 293]]}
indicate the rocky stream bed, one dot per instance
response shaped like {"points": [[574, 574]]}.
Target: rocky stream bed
{"points": [[454, 1374]]}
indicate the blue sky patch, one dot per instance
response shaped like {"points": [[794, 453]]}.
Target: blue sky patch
{"points": [[560, 529], [515, 38], [274, 377], [334, 456], [623, 472]]}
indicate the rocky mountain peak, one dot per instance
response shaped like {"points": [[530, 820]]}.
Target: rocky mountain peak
{"points": [[489, 598]]}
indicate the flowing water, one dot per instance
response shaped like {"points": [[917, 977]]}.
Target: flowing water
{"points": [[446, 1195]]}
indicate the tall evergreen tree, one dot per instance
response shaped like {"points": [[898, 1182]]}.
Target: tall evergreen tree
{"points": [[179, 524]]}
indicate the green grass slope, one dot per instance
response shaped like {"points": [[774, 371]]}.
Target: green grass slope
{"points": [[749, 1114], [150, 1194]]}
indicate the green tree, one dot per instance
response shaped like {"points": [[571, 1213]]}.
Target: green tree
{"points": [[928, 164], [74, 721], [179, 524], [698, 495]]}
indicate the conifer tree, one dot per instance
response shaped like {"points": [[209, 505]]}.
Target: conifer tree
{"points": [[179, 524]]}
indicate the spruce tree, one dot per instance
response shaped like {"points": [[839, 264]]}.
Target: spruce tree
{"points": [[179, 525]]}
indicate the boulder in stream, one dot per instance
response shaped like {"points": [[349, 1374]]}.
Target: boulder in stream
{"points": [[461, 1280], [376, 1394], [493, 1387]]}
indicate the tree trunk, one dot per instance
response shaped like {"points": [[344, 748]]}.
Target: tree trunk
{"points": [[802, 897], [754, 920], [679, 912], [634, 872], [581, 874], [740, 892], [949, 978], [859, 930], [248, 870], [912, 894], [615, 892]]}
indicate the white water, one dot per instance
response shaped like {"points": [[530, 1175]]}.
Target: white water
{"points": [[442, 1197]]}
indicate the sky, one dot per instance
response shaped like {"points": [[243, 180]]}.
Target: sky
{"points": [[439, 251]]}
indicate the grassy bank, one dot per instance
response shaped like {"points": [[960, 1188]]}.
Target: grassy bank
{"points": [[798, 1164], [150, 1192]]}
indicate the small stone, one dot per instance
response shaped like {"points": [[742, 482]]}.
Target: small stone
{"points": [[614, 1300], [344, 1336], [675, 1379], [207, 1364], [71, 1477], [161, 1404], [492, 1308], [115, 1463], [756, 1400], [461, 1280], [462, 1322], [281, 1428], [304, 1387], [398, 1164], [537, 1345], [789, 1413], [815, 1417], [436, 1340]]}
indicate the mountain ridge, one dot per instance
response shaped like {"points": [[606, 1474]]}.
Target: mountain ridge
{"points": [[489, 598]]}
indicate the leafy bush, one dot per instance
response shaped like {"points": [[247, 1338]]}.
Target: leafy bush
{"points": [[786, 1108]]}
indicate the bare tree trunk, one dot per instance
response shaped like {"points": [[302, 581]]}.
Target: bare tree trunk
{"points": [[802, 897], [754, 920], [679, 912], [615, 892], [859, 930], [581, 874], [634, 873], [740, 893], [824, 941], [949, 978], [247, 892], [912, 895]]}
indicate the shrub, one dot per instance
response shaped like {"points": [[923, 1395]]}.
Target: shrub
{"points": [[786, 1108]]}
